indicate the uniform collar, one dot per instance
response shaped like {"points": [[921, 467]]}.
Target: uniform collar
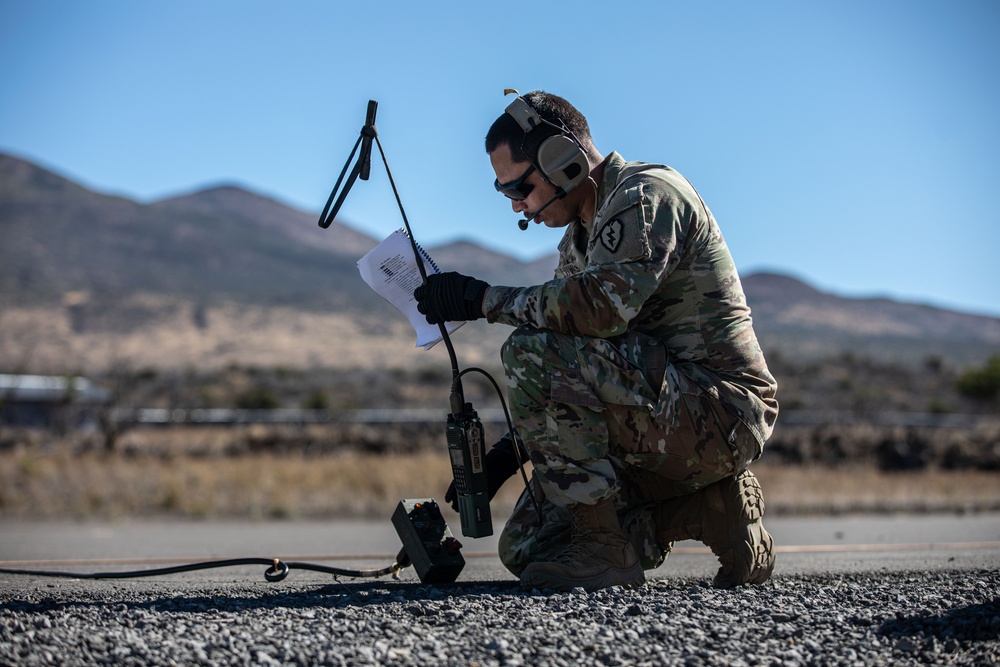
{"points": [[612, 174]]}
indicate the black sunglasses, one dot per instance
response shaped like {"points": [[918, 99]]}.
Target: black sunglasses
{"points": [[517, 189]]}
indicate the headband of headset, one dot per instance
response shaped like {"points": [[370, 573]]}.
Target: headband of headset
{"points": [[560, 158]]}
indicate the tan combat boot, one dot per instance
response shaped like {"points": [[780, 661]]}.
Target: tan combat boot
{"points": [[598, 555], [726, 516]]}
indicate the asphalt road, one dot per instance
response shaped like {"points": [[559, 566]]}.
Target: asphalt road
{"points": [[815, 545]]}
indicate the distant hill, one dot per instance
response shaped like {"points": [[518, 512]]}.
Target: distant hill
{"points": [[223, 243], [78, 263], [802, 321], [216, 244]]}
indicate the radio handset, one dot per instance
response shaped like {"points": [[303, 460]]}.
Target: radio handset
{"points": [[467, 449]]}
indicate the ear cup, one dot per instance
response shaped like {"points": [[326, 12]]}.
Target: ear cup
{"points": [[560, 158], [563, 162]]}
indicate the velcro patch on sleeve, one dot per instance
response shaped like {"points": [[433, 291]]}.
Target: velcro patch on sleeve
{"points": [[621, 234]]}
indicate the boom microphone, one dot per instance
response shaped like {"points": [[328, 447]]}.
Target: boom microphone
{"points": [[523, 224]]}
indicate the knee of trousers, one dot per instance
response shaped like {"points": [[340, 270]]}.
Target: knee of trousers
{"points": [[520, 346], [537, 348], [531, 358]]}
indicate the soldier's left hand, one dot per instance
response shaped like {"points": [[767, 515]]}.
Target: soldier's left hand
{"points": [[450, 297]]}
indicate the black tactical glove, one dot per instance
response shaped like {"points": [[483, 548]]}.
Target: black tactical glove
{"points": [[449, 297], [501, 462]]}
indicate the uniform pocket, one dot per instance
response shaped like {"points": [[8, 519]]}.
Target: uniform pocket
{"points": [[576, 416], [625, 370], [622, 231]]}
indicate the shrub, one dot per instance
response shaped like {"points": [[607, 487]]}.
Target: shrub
{"points": [[981, 383], [257, 399], [318, 400]]}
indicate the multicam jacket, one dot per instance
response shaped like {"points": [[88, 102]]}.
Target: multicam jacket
{"points": [[654, 262]]}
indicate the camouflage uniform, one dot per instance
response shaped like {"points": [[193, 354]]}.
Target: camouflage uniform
{"points": [[635, 372]]}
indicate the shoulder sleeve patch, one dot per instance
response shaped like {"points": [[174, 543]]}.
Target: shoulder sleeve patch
{"points": [[621, 235], [611, 235]]}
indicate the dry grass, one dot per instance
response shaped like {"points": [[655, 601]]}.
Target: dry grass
{"points": [[61, 484], [819, 490]]}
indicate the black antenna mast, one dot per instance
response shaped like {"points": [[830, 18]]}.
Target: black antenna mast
{"points": [[465, 431]]}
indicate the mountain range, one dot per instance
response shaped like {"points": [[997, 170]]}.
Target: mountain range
{"points": [[75, 262]]}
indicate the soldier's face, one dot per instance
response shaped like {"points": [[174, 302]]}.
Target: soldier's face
{"points": [[556, 214]]}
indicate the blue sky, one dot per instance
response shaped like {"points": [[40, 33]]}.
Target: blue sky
{"points": [[852, 144]]}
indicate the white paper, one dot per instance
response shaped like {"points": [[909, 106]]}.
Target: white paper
{"points": [[391, 270]]}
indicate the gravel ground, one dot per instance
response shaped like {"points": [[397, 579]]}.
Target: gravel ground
{"points": [[857, 618]]}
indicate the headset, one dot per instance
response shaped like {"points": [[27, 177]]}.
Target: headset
{"points": [[560, 159]]}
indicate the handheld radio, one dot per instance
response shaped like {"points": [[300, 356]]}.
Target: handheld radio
{"points": [[464, 429], [467, 449]]}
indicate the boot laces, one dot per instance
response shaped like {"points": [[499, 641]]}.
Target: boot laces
{"points": [[580, 544]]}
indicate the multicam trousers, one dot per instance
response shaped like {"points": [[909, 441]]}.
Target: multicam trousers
{"points": [[609, 418]]}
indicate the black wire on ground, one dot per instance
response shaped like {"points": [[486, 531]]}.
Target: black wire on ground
{"points": [[276, 571]]}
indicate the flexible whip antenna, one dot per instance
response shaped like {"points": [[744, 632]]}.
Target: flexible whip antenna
{"points": [[445, 336], [464, 429], [362, 170]]}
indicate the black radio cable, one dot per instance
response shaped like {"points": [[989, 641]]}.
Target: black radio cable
{"points": [[276, 571]]}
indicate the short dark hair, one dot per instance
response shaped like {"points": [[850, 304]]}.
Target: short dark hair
{"points": [[551, 108]]}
